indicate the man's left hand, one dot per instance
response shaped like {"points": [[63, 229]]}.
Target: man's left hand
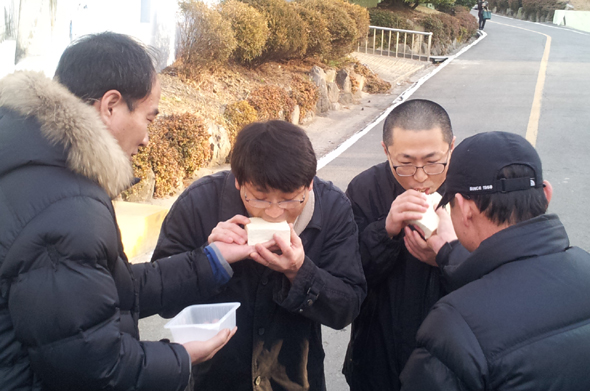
{"points": [[289, 262], [418, 247]]}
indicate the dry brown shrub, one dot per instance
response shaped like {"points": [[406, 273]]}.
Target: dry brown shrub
{"points": [[305, 93], [237, 115], [373, 83], [318, 43], [205, 37], [249, 27], [271, 102], [178, 146], [343, 31], [288, 35], [359, 14]]}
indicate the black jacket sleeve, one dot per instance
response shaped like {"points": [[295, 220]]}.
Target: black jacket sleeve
{"points": [[330, 288], [449, 257], [448, 356], [378, 251], [182, 240], [65, 309]]}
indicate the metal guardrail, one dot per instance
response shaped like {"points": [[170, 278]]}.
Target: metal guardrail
{"points": [[379, 41]]}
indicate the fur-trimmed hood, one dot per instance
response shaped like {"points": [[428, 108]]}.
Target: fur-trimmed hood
{"points": [[65, 119]]}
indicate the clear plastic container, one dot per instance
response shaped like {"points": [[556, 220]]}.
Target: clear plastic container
{"points": [[201, 322]]}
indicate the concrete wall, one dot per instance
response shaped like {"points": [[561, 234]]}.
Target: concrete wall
{"points": [[45, 28], [579, 20]]}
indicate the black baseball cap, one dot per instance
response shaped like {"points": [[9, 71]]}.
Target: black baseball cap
{"points": [[477, 161]]}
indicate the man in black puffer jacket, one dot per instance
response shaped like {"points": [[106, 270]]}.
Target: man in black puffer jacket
{"points": [[519, 317], [69, 300]]}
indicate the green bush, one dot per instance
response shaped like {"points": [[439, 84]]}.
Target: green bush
{"points": [[342, 28], [271, 102], [468, 24], [514, 5], [288, 36], [466, 3], [205, 37], [535, 9], [385, 18], [434, 24], [446, 28], [359, 14], [249, 27], [237, 115], [318, 43]]}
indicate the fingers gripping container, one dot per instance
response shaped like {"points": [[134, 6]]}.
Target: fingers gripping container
{"points": [[201, 322]]}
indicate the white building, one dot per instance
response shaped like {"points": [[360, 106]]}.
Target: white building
{"points": [[34, 33]]}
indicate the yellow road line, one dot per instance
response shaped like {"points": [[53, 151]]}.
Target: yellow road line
{"points": [[533, 127]]}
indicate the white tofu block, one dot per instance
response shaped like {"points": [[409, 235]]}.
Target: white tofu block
{"points": [[429, 221], [260, 231]]}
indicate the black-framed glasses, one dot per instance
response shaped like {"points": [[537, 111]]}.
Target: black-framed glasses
{"points": [[429, 169], [262, 204]]}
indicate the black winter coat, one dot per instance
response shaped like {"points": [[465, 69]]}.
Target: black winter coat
{"points": [[278, 345], [401, 289], [69, 300], [519, 320]]}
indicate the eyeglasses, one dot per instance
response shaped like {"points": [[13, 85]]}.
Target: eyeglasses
{"points": [[410, 170], [262, 204]]}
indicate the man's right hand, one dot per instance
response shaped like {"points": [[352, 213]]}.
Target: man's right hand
{"points": [[230, 231], [205, 350], [409, 205], [445, 232]]}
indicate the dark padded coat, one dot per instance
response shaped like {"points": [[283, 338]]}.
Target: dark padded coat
{"points": [[519, 319], [401, 289], [69, 300], [278, 345]]}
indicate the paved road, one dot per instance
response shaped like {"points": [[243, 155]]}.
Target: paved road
{"points": [[493, 87]]}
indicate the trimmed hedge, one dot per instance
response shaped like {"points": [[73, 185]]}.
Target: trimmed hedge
{"points": [[288, 36], [342, 28], [318, 43], [250, 28], [205, 37], [384, 18]]}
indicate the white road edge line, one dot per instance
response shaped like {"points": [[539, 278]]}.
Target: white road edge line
{"points": [[326, 159]]}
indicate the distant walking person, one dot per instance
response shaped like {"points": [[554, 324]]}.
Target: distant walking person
{"points": [[481, 7]]}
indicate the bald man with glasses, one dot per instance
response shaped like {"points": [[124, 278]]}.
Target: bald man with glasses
{"points": [[402, 282], [287, 290]]}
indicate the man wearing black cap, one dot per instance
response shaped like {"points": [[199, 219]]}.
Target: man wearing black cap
{"points": [[518, 318]]}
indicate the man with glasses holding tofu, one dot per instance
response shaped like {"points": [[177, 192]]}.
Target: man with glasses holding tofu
{"points": [[402, 278], [287, 288]]}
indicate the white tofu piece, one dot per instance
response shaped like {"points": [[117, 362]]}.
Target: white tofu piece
{"points": [[429, 221], [260, 231]]}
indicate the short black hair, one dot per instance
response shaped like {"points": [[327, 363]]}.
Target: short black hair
{"points": [[416, 115], [273, 155], [515, 206], [98, 63]]}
